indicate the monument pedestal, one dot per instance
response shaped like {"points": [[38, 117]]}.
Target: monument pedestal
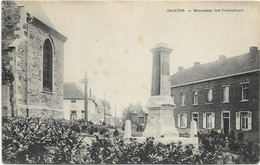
{"points": [[160, 122]]}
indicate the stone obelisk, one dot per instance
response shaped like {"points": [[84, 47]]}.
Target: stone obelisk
{"points": [[160, 123]]}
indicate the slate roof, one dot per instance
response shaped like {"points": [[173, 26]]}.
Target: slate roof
{"points": [[234, 65], [71, 91], [34, 9]]}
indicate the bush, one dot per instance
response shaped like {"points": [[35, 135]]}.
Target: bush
{"points": [[107, 151], [150, 152], [248, 152], [103, 130], [242, 151], [213, 140], [116, 133], [91, 129], [58, 141], [39, 141]]}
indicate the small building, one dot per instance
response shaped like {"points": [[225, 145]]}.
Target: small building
{"points": [[138, 121], [74, 105], [108, 116], [222, 95], [32, 59], [101, 113]]}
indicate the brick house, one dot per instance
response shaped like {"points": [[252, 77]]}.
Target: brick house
{"points": [[138, 120], [222, 95], [32, 50]]}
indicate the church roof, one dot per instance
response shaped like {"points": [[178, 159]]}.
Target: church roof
{"points": [[35, 10], [223, 67], [71, 91]]}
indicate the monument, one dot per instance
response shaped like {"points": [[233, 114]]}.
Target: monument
{"points": [[160, 122], [128, 130]]}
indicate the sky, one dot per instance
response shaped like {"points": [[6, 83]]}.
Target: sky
{"points": [[111, 41]]}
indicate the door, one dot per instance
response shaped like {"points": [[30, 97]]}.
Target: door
{"points": [[226, 122], [195, 117], [73, 115]]}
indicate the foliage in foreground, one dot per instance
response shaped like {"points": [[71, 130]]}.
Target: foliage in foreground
{"points": [[57, 141], [37, 140]]}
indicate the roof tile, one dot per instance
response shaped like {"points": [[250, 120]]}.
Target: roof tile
{"points": [[71, 91], [234, 65]]}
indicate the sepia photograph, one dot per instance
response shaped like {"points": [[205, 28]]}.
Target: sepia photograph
{"points": [[130, 82]]}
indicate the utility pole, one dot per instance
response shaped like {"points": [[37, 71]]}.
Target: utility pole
{"points": [[85, 81], [105, 107], [115, 117]]}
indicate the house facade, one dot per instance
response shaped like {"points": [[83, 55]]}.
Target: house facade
{"points": [[32, 54], [222, 95], [74, 105], [138, 120]]}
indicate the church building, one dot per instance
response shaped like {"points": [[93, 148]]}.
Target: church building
{"points": [[32, 62]]}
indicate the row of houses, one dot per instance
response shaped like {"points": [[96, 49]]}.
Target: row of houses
{"points": [[222, 95], [74, 106]]}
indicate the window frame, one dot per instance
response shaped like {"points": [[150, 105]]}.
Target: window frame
{"points": [[194, 101], [224, 92], [185, 122], [48, 37], [182, 95], [205, 120], [248, 127], [207, 93], [141, 117], [242, 91]]}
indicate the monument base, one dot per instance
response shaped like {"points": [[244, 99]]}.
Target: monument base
{"points": [[184, 141], [160, 123]]}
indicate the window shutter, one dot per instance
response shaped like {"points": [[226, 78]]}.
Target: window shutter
{"points": [[213, 120], [222, 124], [249, 120], [227, 99], [186, 121], [179, 121], [237, 120], [210, 95], [183, 99], [204, 120]]}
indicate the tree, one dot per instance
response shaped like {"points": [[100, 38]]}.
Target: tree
{"points": [[106, 104], [131, 109]]}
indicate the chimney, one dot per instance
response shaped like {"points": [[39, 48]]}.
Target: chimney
{"points": [[180, 68], [253, 50], [196, 64], [89, 93], [222, 57]]}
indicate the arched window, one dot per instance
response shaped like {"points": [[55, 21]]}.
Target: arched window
{"points": [[47, 65]]}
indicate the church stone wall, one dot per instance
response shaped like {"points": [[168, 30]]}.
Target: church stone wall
{"points": [[40, 102], [23, 46]]}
